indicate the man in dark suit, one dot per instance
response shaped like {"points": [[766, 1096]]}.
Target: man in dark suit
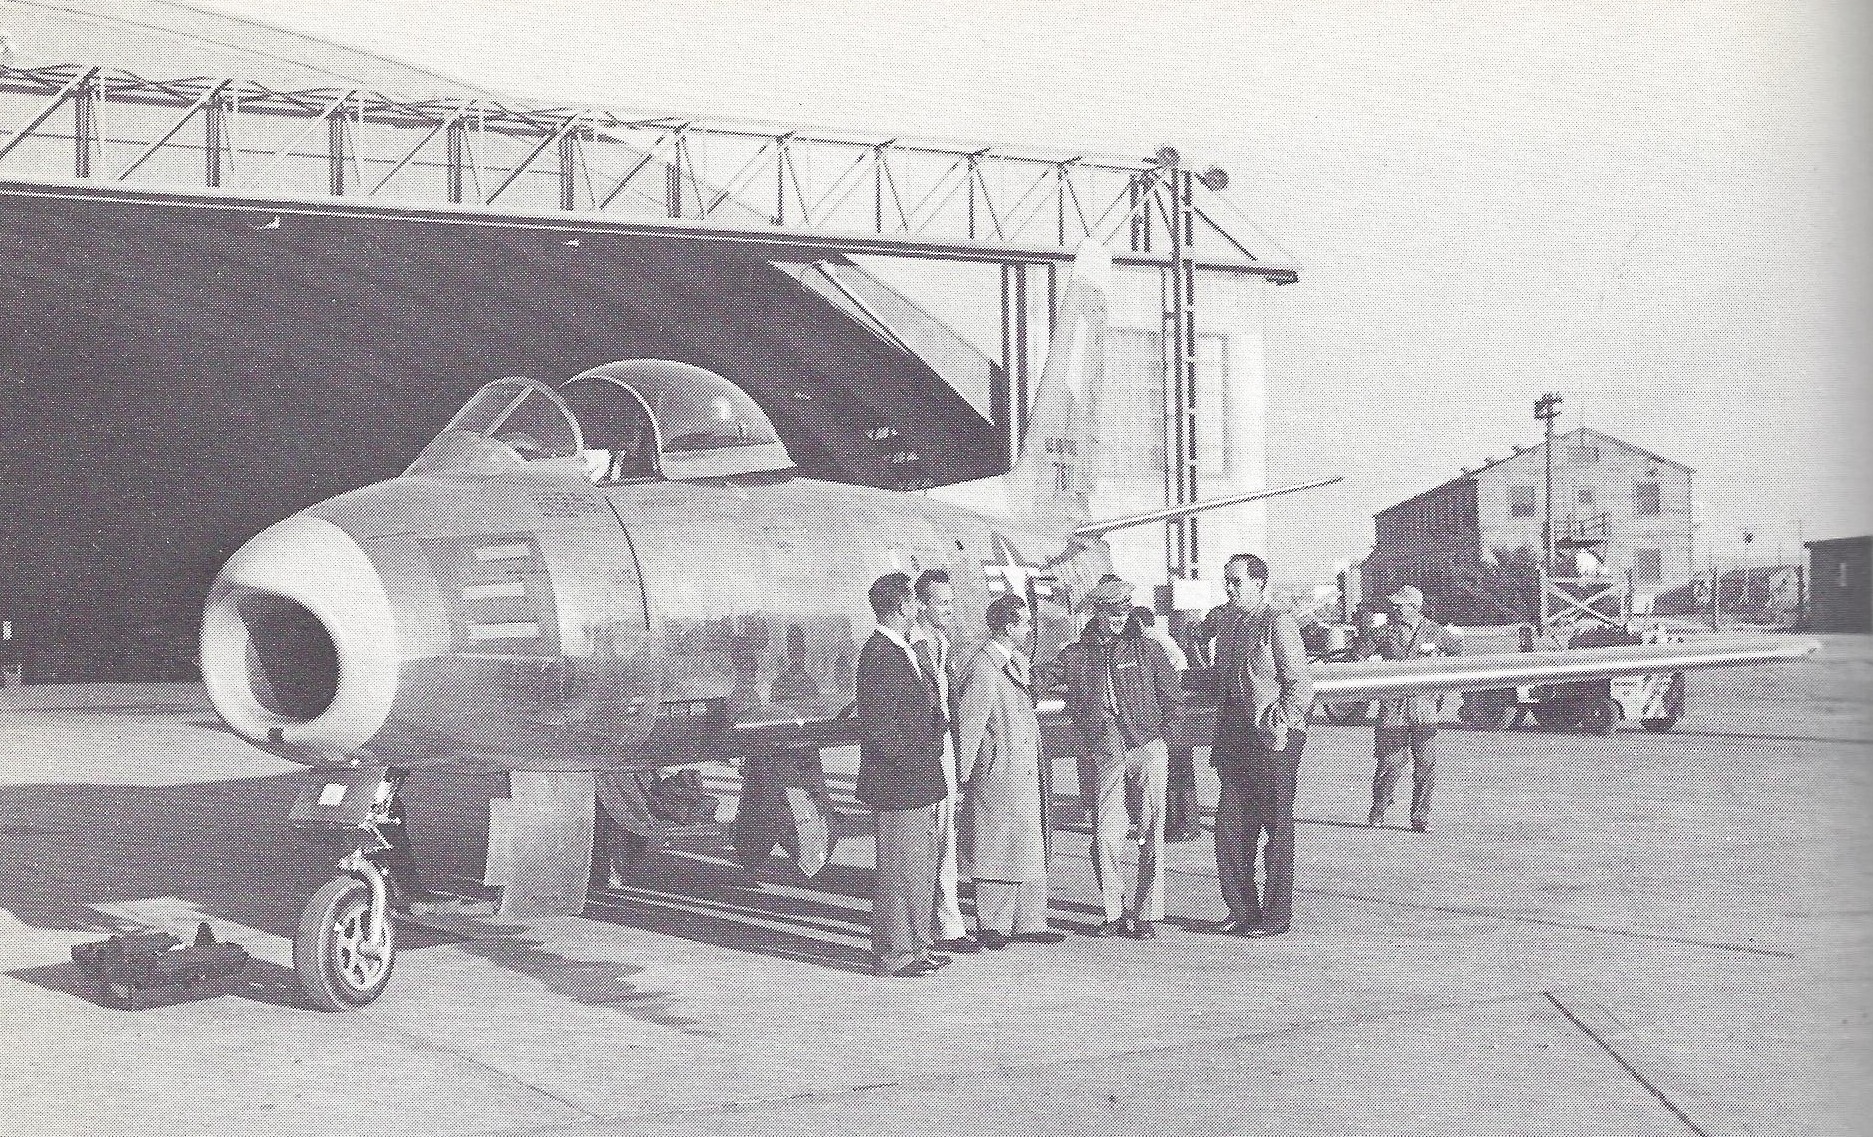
{"points": [[900, 776]]}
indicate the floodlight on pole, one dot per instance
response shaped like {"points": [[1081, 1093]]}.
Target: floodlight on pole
{"points": [[1547, 409]]}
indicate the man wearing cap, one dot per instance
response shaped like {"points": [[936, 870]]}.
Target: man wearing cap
{"points": [[1406, 726], [1121, 692]]}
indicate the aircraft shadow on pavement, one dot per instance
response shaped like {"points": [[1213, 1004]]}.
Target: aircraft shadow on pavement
{"points": [[705, 901]]}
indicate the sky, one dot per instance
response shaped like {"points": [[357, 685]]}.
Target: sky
{"points": [[1654, 210]]}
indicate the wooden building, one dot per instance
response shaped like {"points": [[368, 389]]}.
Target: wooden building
{"points": [[1473, 544], [1840, 585]]}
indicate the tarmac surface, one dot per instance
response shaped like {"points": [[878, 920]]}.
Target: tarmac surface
{"points": [[1636, 934]]}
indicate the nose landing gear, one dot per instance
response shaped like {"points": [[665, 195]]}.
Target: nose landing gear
{"points": [[346, 945]]}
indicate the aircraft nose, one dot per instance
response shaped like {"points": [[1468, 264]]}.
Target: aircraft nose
{"points": [[299, 640]]}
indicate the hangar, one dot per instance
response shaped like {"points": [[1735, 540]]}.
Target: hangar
{"points": [[224, 298]]}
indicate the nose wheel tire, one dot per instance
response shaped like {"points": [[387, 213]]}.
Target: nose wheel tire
{"points": [[332, 954]]}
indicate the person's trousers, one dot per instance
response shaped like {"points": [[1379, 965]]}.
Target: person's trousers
{"points": [[1182, 812], [908, 848], [1011, 907], [1392, 747], [947, 915], [1256, 799], [1144, 766]]}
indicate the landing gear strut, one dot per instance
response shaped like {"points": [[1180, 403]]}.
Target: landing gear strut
{"points": [[346, 946]]}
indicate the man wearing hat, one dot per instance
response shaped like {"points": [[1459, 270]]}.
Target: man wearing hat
{"points": [[1121, 692], [1407, 726]]}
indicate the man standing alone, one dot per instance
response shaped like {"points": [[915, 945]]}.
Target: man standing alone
{"points": [[1122, 691], [900, 776], [1266, 692], [1407, 727]]}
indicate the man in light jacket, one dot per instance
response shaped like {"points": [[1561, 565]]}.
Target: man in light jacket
{"points": [[1122, 692], [1266, 691], [1001, 766], [1407, 728]]}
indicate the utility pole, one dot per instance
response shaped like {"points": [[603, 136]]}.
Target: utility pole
{"points": [[1547, 409]]}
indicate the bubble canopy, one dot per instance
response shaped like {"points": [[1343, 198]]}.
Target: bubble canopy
{"points": [[629, 421]]}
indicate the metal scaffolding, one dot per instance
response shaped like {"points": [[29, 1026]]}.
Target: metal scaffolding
{"points": [[235, 142], [889, 195]]}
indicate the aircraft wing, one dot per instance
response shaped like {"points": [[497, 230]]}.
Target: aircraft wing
{"points": [[1391, 679], [1379, 679]]}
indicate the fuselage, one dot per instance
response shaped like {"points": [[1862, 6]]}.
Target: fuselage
{"points": [[528, 619]]}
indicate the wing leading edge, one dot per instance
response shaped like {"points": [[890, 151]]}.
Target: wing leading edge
{"points": [[1350, 682]]}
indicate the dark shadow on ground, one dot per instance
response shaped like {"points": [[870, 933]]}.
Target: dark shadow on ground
{"points": [[225, 849], [259, 981]]}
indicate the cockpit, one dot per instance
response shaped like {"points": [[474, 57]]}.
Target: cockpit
{"points": [[633, 421]]}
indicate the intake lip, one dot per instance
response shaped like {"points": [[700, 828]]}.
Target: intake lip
{"points": [[299, 640]]}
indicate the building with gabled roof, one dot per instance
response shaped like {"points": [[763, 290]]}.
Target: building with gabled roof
{"points": [[1619, 509]]}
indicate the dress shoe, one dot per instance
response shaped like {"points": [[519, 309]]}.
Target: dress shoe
{"points": [[915, 969], [1421, 826], [1375, 819], [1145, 930], [1110, 928], [1230, 927], [962, 945], [938, 959], [1263, 931], [993, 940], [1043, 937]]}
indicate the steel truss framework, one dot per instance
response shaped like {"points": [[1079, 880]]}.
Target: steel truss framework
{"points": [[793, 189]]}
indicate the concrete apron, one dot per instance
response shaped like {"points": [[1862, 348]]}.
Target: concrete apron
{"points": [[1598, 935]]}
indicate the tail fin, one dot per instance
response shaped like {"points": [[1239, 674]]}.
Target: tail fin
{"points": [[1050, 483]]}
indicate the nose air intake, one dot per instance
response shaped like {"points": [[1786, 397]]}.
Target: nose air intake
{"points": [[299, 641]]}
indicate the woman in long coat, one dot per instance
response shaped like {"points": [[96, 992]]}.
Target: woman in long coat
{"points": [[1000, 757]]}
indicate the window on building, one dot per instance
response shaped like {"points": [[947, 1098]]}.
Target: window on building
{"points": [[1585, 496], [1645, 499], [1136, 401], [1584, 453], [1647, 567], [1522, 501], [1840, 574]]}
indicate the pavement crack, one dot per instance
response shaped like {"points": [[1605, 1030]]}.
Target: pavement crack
{"points": [[497, 1072], [1578, 1015], [930, 1083]]}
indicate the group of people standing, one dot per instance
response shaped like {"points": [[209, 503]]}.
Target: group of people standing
{"points": [[943, 739], [924, 746]]}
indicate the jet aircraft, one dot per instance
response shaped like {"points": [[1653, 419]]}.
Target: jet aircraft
{"points": [[578, 584]]}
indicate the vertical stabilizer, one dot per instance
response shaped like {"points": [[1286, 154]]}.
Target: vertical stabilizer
{"points": [[1048, 487]]}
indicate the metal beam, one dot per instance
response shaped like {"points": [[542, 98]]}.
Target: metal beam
{"points": [[775, 243], [1007, 190]]}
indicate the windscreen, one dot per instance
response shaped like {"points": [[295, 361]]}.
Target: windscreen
{"points": [[521, 415]]}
